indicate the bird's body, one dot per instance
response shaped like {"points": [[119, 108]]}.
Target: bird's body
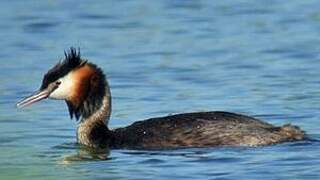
{"points": [[199, 129], [203, 129], [85, 89]]}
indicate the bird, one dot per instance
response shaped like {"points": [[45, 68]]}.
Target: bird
{"points": [[85, 89]]}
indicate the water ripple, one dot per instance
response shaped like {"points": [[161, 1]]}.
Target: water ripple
{"points": [[39, 27]]}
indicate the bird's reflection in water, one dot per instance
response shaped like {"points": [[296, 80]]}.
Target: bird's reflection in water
{"points": [[83, 153]]}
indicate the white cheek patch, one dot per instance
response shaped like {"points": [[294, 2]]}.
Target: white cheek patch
{"points": [[65, 88]]}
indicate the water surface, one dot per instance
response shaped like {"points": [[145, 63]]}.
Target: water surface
{"points": [[165, 57]]}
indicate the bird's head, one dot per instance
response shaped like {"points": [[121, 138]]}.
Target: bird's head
{"points": [[80, 83]]}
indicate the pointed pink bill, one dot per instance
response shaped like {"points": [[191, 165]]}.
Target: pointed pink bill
{"points": [[37, 96]]}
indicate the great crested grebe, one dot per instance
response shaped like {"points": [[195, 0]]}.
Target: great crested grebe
{"points": [[85, 89]]}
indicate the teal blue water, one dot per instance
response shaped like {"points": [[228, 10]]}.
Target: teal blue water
{"points": [[260, 58]]}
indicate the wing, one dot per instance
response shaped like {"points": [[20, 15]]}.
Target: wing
{"points": [[193, 129]]}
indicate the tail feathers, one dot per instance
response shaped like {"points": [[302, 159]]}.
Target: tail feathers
{"points": [[292, 132]]}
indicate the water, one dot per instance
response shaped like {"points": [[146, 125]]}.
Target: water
{"points": [[259, 58]]}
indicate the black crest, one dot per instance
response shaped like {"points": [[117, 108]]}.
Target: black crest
{"points": [[72, 61]]}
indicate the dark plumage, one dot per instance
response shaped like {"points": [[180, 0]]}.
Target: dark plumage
{"points": [[203, 129]]}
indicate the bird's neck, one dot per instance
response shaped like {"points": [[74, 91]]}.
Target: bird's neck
{"points": [[93, 130]]}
